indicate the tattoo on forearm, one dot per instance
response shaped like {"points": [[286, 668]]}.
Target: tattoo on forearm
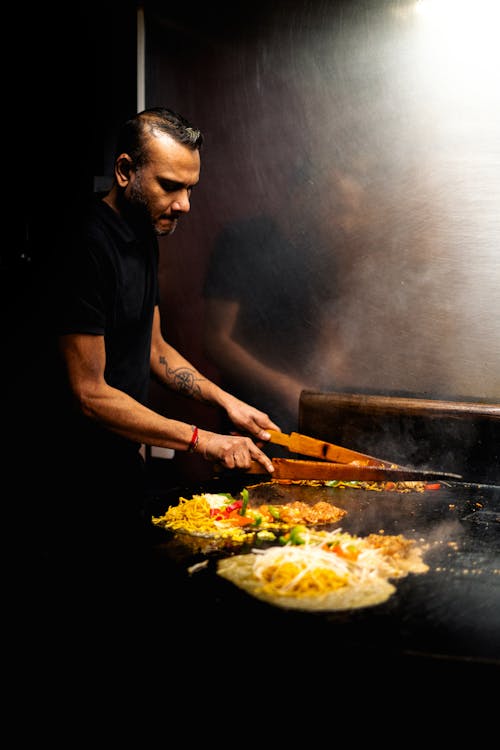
{"points": [[184, 380]]}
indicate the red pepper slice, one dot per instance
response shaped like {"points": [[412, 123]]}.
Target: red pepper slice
{"points": [[233, 506], [239, 520]]}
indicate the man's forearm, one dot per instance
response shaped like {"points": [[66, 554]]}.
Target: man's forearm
{"points": [[175, 372]]}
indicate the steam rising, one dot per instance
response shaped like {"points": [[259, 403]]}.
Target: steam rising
{"points": [[370, 134]]}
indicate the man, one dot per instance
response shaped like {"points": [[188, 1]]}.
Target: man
{"points": [[105, 311]]}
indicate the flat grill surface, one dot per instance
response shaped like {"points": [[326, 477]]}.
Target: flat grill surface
{"points": [[450, 613]]}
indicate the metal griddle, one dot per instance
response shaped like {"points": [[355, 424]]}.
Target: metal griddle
{"points": [[448, 617]]}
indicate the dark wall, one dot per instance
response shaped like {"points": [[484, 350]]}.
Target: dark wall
{"points": [[71, 78], [75, 82]]}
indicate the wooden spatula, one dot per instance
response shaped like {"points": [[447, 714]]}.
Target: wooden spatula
{"points": [[309, 446], [287, 468]]}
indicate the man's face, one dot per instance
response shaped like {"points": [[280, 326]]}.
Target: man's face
{"points": [[162, 187]]}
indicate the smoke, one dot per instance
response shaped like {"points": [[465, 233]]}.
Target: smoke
{"points": [[402, 191]]}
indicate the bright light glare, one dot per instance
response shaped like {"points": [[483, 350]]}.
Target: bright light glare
{"points": [[461, 39], [461, 16]]}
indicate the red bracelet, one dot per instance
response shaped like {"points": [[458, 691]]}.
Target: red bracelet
{"points": [[194, 440]]}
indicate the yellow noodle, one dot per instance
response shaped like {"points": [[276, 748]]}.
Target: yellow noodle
{"points": [[189, 515], [290, 579]]}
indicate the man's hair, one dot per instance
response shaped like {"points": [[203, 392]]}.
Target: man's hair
{"points": [[136, 132]]}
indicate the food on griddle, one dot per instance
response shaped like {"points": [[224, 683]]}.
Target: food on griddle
{"points": [[223, 516], [401, 554], [324, 571], [386, 486], [298, 512]]}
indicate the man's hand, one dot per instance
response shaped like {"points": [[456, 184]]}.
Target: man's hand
{"points": [[248, 419], [232, 451]]}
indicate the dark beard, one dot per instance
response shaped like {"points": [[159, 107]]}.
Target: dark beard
{"points": [[140, 212], [137, 211]]}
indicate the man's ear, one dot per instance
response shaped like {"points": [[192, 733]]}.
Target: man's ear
{"points": [[123, 166]]}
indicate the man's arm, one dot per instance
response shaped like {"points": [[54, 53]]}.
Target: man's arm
{"points": [[85, 359], [174, 371]]}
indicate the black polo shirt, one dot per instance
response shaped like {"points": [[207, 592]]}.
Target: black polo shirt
{"points": [[107, 285]]}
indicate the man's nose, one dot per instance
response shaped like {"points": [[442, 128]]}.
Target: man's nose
{"points": [[181, 202]]}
